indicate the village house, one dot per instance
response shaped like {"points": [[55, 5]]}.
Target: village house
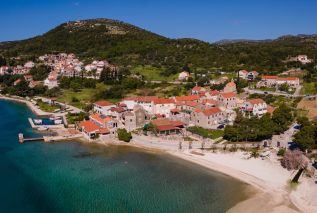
{"points": [[29, 64], [187, 106], [16, 82], [33, 84], [92, 131], [28, 78], [89, 129], [228, 99], [145, 101], [255, 107], [252, 75], [51, 80], [219, 81], [183, 76], [213, 94], [4, 70], [244, 74], [302, 59], [103, 107], [194, 98], [166, 126], [209, 118], [134, 119], [271, 81], [116, 112], [103, 121], [163, 106], [197, 90], [230, 87]]}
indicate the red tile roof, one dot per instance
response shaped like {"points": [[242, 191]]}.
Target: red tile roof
{"points": [[89, 126], [163, 101], [103, 103], [142, 98], [288, 79], [266, 77], [100, 118], [270, 109], [166, 128], [104, 131], [187, 98], [214, 92], [256, 101], [231, 84], [228, 94], [117, 109], [197, 88], [211, 111], [210, 102], [244, 71]]}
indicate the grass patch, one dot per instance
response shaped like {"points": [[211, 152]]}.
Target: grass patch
{"points": [[152, 73], [47, 107], [308, 88], [81, 98], [206, 133]]}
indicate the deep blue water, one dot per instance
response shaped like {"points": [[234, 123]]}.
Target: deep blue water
{"points": [[76, 177]]}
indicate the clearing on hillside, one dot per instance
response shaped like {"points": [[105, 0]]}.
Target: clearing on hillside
{"points": [[310, 106]]}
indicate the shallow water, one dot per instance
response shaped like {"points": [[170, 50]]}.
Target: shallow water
{"points": [[76, 177]]}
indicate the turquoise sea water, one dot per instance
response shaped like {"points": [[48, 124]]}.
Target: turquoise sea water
{"points": [[76, 177]]}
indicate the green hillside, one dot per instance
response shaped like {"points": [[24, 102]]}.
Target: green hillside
{"points": [[127, 45]]}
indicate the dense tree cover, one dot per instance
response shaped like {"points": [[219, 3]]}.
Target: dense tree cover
{"points": [[284, 87], [40, 73], [125, 45], [257, 129], [3, 61], [22, 89], [77, 83], [218, 86], [7, 80], [306, 138], [124, 135], [240, 84], [267, 98]]}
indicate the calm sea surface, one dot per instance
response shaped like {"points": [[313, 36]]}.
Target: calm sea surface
{"points": [[75, 177]]}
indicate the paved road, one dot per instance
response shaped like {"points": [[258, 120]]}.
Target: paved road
{"points": [[169, 82], [254, 91]]}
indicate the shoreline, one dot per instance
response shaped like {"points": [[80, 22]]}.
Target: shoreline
{"points": [[29, 104], [276, 196], [272, 197]]}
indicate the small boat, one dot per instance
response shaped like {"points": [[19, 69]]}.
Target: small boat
{"points": [[58, 121], [37, 121], [52, 118]]}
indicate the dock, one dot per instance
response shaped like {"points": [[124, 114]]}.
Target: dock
{"points": [[48, 139], [22, 139]]}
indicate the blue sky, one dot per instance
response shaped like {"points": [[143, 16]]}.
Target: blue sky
{"points": [[209, 20]]}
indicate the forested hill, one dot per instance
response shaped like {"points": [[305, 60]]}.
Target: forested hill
{"points": [[125, 44]]}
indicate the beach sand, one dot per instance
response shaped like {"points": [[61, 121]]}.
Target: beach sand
{"points": [[270, 181]]}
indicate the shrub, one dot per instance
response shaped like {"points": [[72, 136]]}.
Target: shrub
{"points": [[124, 135], [281, 152]]}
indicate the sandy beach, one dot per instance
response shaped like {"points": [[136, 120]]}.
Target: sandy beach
{"points": [[269, 179]]}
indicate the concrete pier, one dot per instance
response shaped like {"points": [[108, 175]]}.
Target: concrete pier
{"points": [[22, 139]]}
